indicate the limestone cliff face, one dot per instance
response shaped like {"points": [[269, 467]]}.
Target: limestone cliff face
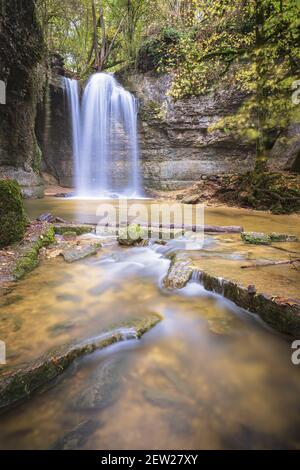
{"points": [[176, 145], [21, 56]]}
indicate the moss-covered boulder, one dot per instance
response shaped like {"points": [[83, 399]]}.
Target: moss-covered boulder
{"points": [[13, 219], [256, 238], [131, 235]]}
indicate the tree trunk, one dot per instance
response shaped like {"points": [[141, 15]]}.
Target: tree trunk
{"points": [[261, 159], [96, 47]]}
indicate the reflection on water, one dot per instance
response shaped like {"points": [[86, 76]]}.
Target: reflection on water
{"points": [[208, 376]]}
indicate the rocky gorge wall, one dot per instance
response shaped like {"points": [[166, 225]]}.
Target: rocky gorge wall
{"points": [[22, 71], [176, 145]]}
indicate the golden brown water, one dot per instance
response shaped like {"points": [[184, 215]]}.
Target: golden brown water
{"points": [[208, 376]]}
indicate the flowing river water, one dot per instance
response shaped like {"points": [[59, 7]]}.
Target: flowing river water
{"points": [[209, 375]]}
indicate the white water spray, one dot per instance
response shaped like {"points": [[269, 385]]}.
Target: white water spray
{"points": [[105, 145]]}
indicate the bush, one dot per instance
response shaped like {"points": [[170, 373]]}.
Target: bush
{"points": [[13, 219], [154, 51]]}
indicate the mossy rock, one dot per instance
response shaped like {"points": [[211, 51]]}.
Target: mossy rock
{"points": [[13, 219], [131, 235], [30, 258], [62, 229], [256, 238], [283, 237]]}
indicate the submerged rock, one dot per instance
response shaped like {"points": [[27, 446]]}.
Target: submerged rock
{"points": [[180, 272], [19, 384], [61, 328], [79, 229], [80, 252], [283, 237], [76, 438], [162, 399], [103, 388]]}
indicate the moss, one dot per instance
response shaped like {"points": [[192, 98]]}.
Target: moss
{"points": [[131, 235], [77, 229], [13, 219], [277, 192], [37, 160], [255, 238], [70, 234], [30, 258]]}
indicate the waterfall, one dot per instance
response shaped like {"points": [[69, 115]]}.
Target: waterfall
{"points": [[105, 144]]}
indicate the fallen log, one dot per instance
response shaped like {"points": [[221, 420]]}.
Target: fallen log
{"points": [[19, 383], [183, 227], [270, 263]]}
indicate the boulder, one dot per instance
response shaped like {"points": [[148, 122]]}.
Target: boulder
{"points": [[193, 199], [131, 235], [13, 219]]}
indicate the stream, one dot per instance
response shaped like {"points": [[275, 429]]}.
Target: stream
{"points": [[208, 376]]}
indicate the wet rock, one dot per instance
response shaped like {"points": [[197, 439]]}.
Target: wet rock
{"points": [[221, 326], [180, 272], [68, 298], [76, 438], [281, 313], [180, 424], [48, 217], [161, 398], [10, 322], [9, 300], [283, 237], [193, 199], [70, 236], [80, 229], [80, 252], [256, 238], [131, 235], [103, 388], [61, 328]]}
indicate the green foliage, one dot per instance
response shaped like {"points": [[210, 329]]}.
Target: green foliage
{"points": [[13, 219], [155, 52], [256, 238]]}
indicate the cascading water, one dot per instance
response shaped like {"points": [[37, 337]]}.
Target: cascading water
{"points": [[72, 89], [105, 145]]}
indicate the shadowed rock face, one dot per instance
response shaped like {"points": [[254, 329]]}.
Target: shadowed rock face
{"points": [[176, 146], [21, 56], [54, 132]]}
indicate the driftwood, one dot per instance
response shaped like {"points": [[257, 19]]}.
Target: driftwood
{"points": [[271, 263]]}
